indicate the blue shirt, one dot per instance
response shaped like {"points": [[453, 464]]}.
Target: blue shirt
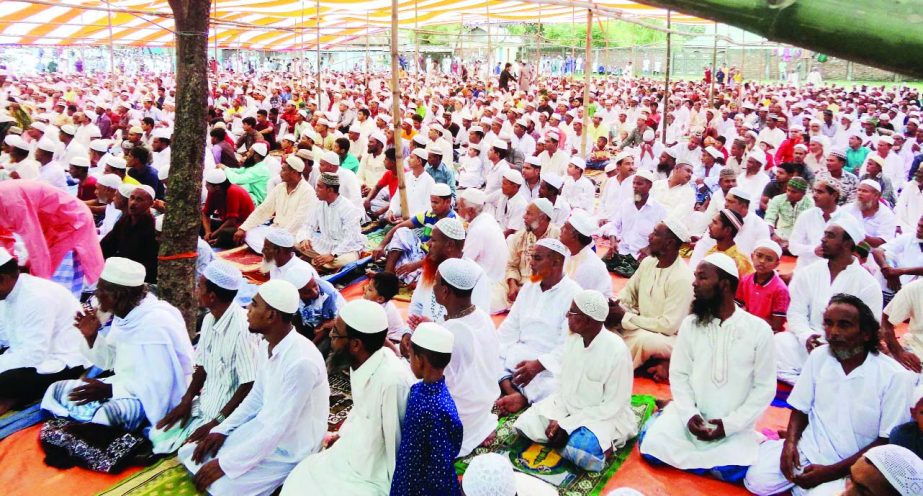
{"points": [[426, 221], [148, 176], [322, 308], [431, 438], [442, 174]]}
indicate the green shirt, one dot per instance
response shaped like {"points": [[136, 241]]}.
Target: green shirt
{"points": [[253, 179], [781, 214], [855, 158], [351, 163]]}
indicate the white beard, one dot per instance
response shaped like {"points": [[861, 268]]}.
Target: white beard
{"points": [[266, 266]]}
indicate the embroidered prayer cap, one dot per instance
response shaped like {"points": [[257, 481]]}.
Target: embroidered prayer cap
{"points": [[295, 163], [545, 206], [646, 174], [473, 196], [110, 181], [839, 153], [126, 189], [727, 172], [459, 273], [740, 193], [280, 294], [489, 474], [47, 145], [854, 229], [553, 180], [759, 156], [798, 183], [330, 157], [513, 176], [871, 183], [5, 256], [305, 154], [123, 272], [280, 237], [79, 161], [364, 316], [432, 336], [723, 263], [330, 179], [902, 468], [224, 275], [441, 189], [830, 183], [215, 176], [878, 159], [593, 304], [769, 245], [578, 162], [260, 148], [451, 227], [677, 228], [583, 222], [553, 245]]}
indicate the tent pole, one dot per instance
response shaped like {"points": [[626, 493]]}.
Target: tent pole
{"points": [[490, 67], [461, 40], [714, 61], [396, 113], [368, 34], [215, 17], [538, 68], [666, 85], [586, 81], [320, 85], [416, 35], [573, 44], [111, 48], [304, 57]]}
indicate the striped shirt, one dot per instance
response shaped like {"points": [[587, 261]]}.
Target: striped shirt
{"points": [[227, 351]]}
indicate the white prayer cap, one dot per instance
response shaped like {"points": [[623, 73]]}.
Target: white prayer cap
{"points": [[578, 162], [215, 176], [280, 237], [290, 137], [126, 189], [534, 161], [593, 304], [147, 189], [38, 125], [476, 129], [624, 491], [740, 193], [723, 262], [871, 183], [759, 156], [79, 161], [771, 246], [421, 153], [4, 256], [110, 181], [678, 228], [135, 130], [878, 159], [305, 154], [513, 176], [354, 129], [364, 316], [433, 148], [854, 229], [295, 163], [886, 139], [451, 227], [379, 137], [802, 147], [69, 129], [47, 145], [280, 294], [418, 139], [670, 152], [648, 135], [123, 272], [553, 180], [16, 142], [902, 468], [490, 474], [441, 189], [432, 336], [553, 245], [646, 174], [500, 144], [299, 278], [713, 152], [583, 222], [224, 275], [459, 273], [330, 157], [99, 145], [260, 148], [545, 206], [473, 196]]}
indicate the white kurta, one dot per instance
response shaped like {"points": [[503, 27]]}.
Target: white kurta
{"points": [[534, 330], [632, 226], [334, 228], [362, 461], [909, 206], [288, 211], [612, 195], [282, 420], [593, 390], [580, 193], [806, 235], [423, 300], [908, 304], [589, 271], [508, 211], [678, 200], [722, 370], [486, 245], [418, 194], [472, 376], [881, 224]]}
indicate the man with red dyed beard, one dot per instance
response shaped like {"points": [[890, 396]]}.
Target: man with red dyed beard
{"points": [[531, 333]]}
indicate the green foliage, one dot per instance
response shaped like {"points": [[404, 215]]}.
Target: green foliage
{"points": [[617, 33]]}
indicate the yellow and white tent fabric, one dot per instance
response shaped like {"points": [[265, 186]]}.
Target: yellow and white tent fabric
{"points": [[278, 24]]}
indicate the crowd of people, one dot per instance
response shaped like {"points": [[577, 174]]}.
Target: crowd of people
{"points": [[509, 196]]}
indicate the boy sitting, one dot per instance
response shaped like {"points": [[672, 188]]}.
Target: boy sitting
{"points": [[763, 293]]}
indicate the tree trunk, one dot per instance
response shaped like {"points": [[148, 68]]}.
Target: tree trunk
{"points": [[176, 270]]}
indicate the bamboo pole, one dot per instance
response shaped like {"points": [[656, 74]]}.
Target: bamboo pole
{"points": [[368, 61], [666, 86], [586, 81], [111, 48], [541, 37], [215, 17], [490, 67], [416, 34], [320, 85], [714, 61], [304, 58], [396, 113]]}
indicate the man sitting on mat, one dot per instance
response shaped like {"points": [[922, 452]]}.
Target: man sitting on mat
{"points": [[333, 233], [589, 413]]}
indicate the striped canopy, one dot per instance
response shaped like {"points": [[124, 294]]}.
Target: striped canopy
{"points": [[280, 24]]}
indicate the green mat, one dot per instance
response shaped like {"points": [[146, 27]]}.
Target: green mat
{"points": [[570, 480]]}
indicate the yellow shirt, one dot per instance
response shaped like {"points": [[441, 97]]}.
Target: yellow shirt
{"points": [[744, 266]]}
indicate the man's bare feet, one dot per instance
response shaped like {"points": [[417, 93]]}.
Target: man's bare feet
{"points": [[660, 372], [511, 403]]}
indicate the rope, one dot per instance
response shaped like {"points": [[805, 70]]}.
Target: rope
{"points": [[178, 256]]}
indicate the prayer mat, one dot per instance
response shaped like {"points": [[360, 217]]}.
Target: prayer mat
{"points": [[341, 402], [15, 421], [781, 398], [247, 260], [548, 465]]}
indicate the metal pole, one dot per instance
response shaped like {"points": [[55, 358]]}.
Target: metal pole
{"points": [[320, 85], [304, 58], [714, 61], [586, 81], [215, 17], [416, 34], [368, 34], [666, 86], [490, 67], [396, 113]]}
